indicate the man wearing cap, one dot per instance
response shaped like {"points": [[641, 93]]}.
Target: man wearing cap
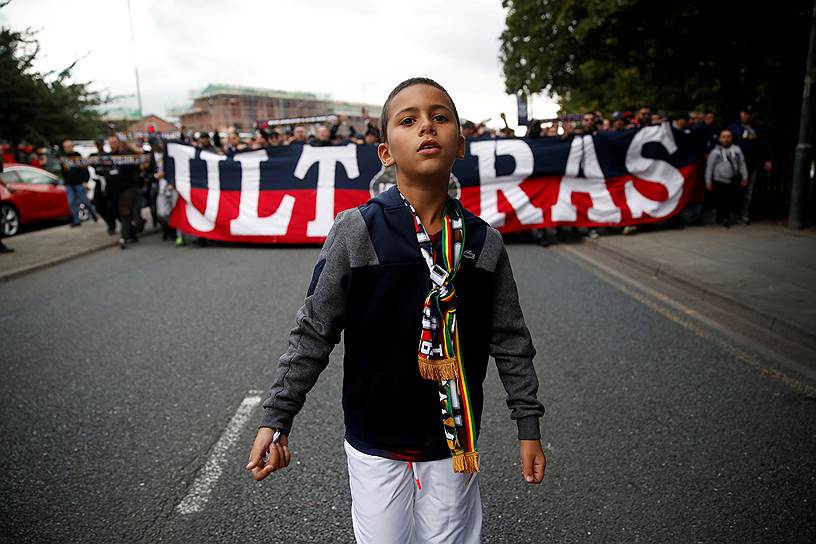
{"points": [[204, 143], [680, 123], [468, 129]]}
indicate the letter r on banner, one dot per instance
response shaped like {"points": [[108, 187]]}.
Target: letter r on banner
{"points": [[490, 183], [326, 159]]}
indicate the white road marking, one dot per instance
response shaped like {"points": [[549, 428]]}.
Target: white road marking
{"points": [[199, 493]]}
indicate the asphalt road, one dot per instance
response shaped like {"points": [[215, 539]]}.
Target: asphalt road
{"points": [[121, 370]]}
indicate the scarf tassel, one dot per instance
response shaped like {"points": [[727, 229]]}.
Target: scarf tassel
{"points": [[439, 370], [467, 461]]}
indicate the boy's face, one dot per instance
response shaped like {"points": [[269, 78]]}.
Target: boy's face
{"points": [[423, 138]]}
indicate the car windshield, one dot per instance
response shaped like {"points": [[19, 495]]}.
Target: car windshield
{"points": [[33, 176], [9, 177]]}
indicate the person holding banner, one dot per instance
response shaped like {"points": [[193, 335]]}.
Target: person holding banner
{"points": [[76, 182], [124, 180], [425, 293]]}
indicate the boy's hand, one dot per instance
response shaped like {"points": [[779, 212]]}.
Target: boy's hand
{"points": [[279, 455], [533, 461]]}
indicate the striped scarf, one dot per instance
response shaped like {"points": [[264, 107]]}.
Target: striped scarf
{"points": [[439, 354]]}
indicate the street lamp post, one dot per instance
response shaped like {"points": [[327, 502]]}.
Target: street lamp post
{"points": [[804, 149], [135, 66]]}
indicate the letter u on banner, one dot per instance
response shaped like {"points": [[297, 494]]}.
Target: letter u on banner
{"points": [[182, 155]]}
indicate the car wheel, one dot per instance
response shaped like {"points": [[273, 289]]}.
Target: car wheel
{"points": [[10, 220]]}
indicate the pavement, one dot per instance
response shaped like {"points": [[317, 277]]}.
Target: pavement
{"points": [[764, 268], [50, 246], [124, 374]]}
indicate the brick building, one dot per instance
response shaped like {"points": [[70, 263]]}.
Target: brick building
{"points": [[224, 107]]}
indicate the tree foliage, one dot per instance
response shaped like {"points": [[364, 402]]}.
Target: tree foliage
{"points": [[40, 107], [673, 55]]}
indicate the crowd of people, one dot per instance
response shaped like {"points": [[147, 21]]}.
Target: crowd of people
{"points": [[734, 155], [338, 131]]}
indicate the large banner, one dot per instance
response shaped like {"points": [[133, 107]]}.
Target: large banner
{"points": [[291, 194]]}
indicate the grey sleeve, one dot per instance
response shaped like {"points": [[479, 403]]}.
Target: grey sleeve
{"points": [[511, 344], [318, 326]]}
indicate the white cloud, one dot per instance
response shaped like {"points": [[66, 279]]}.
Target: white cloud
{"points": [[354, 50]]}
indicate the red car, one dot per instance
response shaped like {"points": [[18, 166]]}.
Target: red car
{"points": [[30, 194]]}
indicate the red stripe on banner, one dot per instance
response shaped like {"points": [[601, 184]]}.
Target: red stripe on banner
{"points": [[268, 204], [542, 193]]}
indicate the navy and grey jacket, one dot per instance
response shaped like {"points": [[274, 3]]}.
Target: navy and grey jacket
{"points": [[370, 280], [724, 164]]}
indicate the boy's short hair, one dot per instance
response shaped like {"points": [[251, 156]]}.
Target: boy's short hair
{"points": [[404, 85]]}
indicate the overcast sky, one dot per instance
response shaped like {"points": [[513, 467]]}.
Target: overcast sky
{"points": [[354, 50]]}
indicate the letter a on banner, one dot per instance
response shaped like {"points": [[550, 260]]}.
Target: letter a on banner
{"points": [[603, 210]]}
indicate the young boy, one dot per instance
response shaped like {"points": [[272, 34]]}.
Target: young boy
{"points": [[411, 267], [725, 165]]}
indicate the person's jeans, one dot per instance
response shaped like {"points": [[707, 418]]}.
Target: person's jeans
{"points": [[723, 195], [746, 195], [77, 196]]}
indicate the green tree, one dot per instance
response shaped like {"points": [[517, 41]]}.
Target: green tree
{"points": [[674, 55], [41, 107]]}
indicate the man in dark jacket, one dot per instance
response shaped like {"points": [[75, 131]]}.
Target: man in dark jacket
{"points": [[76, 178], [751, 138], [123, 182], [103, 202]]}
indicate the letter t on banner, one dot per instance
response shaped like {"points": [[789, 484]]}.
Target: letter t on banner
{"points": [[326, 159]]}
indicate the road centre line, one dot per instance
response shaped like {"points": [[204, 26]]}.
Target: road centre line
{"points": [[199, 492]]}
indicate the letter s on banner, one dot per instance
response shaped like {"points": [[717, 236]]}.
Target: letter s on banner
{"points": [[490, 183], [181, 155], [652, 170]]}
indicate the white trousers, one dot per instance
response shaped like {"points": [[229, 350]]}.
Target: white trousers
{"points": [[394, 502]]}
